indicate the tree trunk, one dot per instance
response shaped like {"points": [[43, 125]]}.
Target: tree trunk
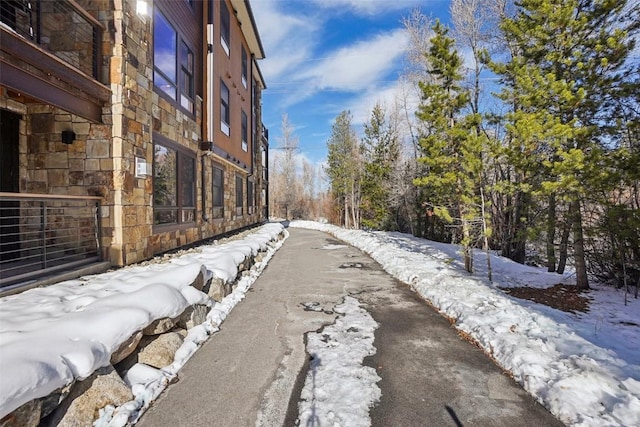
{"points": [[582, 281], [486, 237], [551, 234], [564, 245], [519, 236]]}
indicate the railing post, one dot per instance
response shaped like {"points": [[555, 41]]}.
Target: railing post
{"points": [[43, 227], [98, 230]]}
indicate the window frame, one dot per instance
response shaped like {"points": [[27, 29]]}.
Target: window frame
{"points": [[244, 67], [239, 195], [225, 109], [218, 209], [244, 129], [225, 28], [187, 70], [251, 197], [184, 215], [184, 80]]}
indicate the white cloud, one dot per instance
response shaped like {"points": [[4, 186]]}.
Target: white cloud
{"points": [[367, 7], [359, 66], [287, 39]]}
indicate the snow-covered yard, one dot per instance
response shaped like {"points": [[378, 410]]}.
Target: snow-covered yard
{"points": [[584, 367]]}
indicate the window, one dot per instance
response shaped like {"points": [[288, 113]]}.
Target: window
{"points": [[173, 64], [224, 108], [164, 55], [244, 67], [225, 27], [218, 192], [250, 196], [265, 174], [239, 195], [173, 186], [244, 131], [186, 71]]}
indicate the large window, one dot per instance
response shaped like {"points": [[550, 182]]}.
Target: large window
{"points": [[225, 27], [218, 192], [173, 69], [173, 185], [244, 67], [251, 196], [244, 131], [224, 108], [239, 195]]}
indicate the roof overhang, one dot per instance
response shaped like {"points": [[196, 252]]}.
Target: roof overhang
{"points": [[243, 12]]}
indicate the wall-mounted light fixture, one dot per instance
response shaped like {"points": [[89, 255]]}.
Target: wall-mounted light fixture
{"points": [[68, 136], [143, 169]]}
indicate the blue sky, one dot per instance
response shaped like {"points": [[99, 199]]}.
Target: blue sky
{"points": [[326, 56]]}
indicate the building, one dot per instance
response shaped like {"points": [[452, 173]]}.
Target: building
{"points": [[128, 128]]}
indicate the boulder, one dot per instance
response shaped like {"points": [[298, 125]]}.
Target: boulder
{"points": [[81, 407], [28, 415], [159, 351], [199, 281], [193, 316], [159, 326], [126, 348], [218, 289]]}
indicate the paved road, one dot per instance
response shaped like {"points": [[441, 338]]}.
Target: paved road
{"points": [[250, 372]]}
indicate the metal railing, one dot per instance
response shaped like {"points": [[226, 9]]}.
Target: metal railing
{"points": [[41, 234], [61, 27]]}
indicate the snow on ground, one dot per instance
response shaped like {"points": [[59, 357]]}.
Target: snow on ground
{"points": [[584, 367], [338, 389], [53, 335]]}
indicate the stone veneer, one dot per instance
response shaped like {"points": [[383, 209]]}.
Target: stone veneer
{"points": [[101, 160]]}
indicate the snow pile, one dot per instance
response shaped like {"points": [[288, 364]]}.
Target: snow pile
{"points": [[52, 336], [585, 377], [338, 390]]}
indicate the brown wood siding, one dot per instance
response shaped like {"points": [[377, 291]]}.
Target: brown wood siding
{"points": [[229, 70]]}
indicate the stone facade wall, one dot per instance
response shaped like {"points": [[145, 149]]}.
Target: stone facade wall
{"points": [[101, 159]]}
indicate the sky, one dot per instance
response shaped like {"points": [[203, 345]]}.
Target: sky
{"points": [[583, 367], [326, 56]]}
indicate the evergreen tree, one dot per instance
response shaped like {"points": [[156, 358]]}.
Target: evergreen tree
{"points": [[568, 66], [380, 150], [344, 169], [451, 147]]}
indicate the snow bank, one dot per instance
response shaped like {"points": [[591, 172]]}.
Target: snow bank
{"points": [[52, 336]]}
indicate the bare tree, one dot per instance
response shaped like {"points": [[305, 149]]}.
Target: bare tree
{"points": [[284, 184]]}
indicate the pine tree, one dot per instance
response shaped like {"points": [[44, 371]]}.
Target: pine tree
{"points": [[344, 169], [380, 150], [452, 146], [569, 64]]}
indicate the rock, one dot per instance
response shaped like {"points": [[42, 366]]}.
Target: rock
{"points": [[80, 408], [126, 348], [192, 316], [217, 289], [51, 402], [159, 351], [159, 326], [28, 415], [199, 281]]}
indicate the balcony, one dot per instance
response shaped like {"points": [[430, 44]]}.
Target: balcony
{"points": [[45, 234], [62, 28], [51, 51]]}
